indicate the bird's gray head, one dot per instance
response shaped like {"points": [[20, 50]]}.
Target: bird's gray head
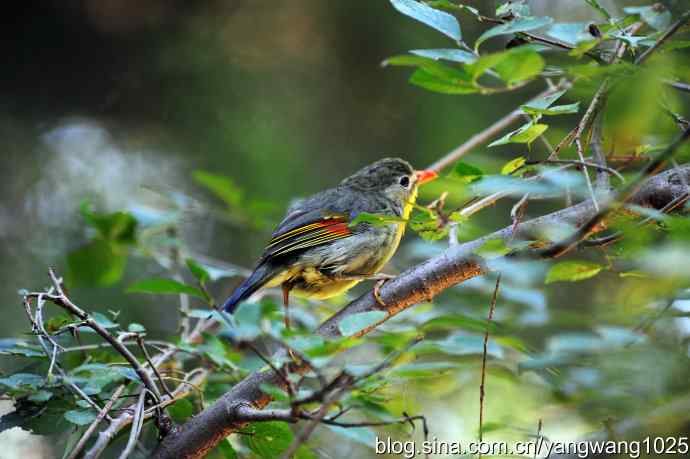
{"points": [[394, 177]]}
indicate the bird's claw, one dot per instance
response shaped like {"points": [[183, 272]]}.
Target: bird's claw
{"points": [[377, 292]]}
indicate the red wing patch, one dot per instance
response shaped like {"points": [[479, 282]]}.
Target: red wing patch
{"points": [[309, 235]]}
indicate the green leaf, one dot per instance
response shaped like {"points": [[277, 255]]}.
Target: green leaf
{"points": [[275, 392], [516, 8], [423, 78], [657, 16], [519, 64], [428, 226], [215, 349], [355, 323], [199, 272], [375, 219], [103, 320], [513, 165], [164, 286], [450, 6], [459, 322], [466, 172], [181, 410], [223, 187], [136, 328], [223, 450], [41, 396], [525, 134], [116, 227], [572, 33], [422, 370], [492, 248], [98, 263], [23, 381], [80, 417], [10, 346], [572, 271], [439, 20], [555, 110], [269, 439], [544, 102], [453, 55], [515, 26], [597, 6]]}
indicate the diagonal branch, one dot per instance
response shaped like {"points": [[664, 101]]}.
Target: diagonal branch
{"points": [[420, 283]]}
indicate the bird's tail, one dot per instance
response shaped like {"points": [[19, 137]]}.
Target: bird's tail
{"points": [[261, 275]]}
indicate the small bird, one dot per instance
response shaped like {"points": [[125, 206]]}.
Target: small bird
{"points": [[316, 253]]}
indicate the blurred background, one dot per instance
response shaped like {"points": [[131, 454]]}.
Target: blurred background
{"points": [[119, 103]]}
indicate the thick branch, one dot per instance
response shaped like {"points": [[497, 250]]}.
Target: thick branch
{"points": [[420, 283]]}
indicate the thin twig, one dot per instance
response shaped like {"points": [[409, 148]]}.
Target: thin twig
{"points": [[491, 131], [482, 392], [92, 428], [685, 17], [567, 244], [62, 300], [137, 423]]}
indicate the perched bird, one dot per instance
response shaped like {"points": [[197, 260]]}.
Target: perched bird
{"points": [[316, 253]]}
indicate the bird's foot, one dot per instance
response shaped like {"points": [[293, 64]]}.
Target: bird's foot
{"points": [[382, 279]]}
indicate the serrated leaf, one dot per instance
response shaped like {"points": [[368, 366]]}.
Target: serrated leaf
{"points": [[80, 417], [514, 26], [572, 271], [525, 134], [513, 165], [355, 323], [439, 20], [164, 287]]}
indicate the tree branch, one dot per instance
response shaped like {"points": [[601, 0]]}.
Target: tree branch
{"points": [[421, 283]]}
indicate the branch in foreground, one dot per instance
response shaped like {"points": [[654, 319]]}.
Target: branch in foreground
{"points": [[421, 283]]}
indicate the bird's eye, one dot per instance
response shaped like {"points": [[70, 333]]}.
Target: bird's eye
{"points": [[404, 181]]}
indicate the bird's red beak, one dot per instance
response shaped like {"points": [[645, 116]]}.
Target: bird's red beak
{"points": [[425, 176]]}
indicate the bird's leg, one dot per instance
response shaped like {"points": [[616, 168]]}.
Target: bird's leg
{"points": [[286, 303], [381, 279]]}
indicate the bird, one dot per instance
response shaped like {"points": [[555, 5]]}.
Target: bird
{"points": [[319, 251]]}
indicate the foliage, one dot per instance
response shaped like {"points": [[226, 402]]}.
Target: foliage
{"points": [[587, 363]]}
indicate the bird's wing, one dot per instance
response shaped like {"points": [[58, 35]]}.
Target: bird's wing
{"points": [[309, 224]]}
